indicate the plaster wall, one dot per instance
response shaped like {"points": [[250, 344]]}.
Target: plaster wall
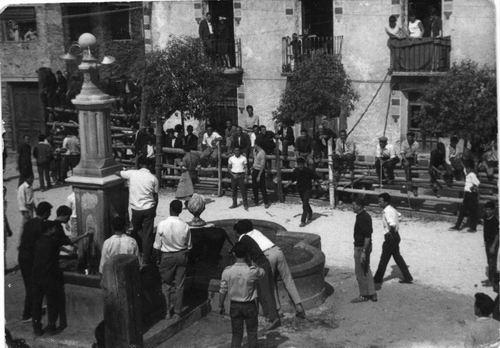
{"points": [[262, 26], [176, 18], [20, 60]]}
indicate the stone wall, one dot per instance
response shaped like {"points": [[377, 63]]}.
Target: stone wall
{"points": [[20, 60]]}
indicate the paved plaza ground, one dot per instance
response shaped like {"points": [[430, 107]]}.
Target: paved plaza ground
{"points": [[433, 312]]}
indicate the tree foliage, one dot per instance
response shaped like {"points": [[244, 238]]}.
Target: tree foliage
{"points": [[181, 77], [461, 102], [317, 86]]}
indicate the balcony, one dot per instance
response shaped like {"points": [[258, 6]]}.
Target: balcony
{"points": [[420, 57], [292, 51], [234, 57]]}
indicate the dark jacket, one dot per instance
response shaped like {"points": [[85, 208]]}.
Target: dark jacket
{"points": [[204, 31], [303, 144], [42, 153], [244, 141], [191, 140], [286, 133], [24, 160]]}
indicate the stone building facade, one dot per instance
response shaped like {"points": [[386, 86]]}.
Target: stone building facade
{"points": [[21, 108], [262, 25]]}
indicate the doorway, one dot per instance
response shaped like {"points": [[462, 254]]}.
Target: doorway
{"points": [[224, 8], [317, 17], [27, 112]]}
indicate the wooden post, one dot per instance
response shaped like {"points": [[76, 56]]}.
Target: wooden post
{"points": [[121, 282], [278, 172], [219, 170], [331, 183], [159, 146]]}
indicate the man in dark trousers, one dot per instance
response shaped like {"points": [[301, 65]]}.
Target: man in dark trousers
{"points": [[491, 242], [362, 248], [43, 155], [265, 286], [207, 35], [32, 230], [47, 278], [24, 160], [303, 177], [390, 219]]}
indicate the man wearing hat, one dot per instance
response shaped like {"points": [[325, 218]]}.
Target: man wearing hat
{"points": [[386, 160]]}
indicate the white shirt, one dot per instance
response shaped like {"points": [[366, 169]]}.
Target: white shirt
{"points": [[409, 150], [249, 122], [210, 28], [237, 164], [142, 187], [207, 140], [118, 244], [262, 241], [414, 29], [252, 139], [25, 197], [150, 151], [470, 181], [71, 200], [388, 151], [172, 234], [390, 217]]}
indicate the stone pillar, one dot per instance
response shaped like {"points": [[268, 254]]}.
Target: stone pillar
{"points": [[100, 193]]}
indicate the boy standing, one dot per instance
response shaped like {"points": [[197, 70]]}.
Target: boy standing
{"points": [[470, 203], [237, 166], [491, 242], [239, 281], [303, 177]]}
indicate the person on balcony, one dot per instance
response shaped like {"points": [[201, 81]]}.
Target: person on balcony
{"points": [[223, 43], [415, 27], [386, 160], [296, 48], [394, 29], [207, 35], [434, 25], [229, 131]]}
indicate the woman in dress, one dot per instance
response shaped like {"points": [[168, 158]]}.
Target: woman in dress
{"points": [[415, 27], [189, 175]]}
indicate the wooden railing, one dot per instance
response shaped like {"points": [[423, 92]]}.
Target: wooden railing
{"points": [[420, 55], [294, 50]]}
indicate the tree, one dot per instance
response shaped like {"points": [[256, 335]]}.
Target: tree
{"points": [[181, 77], [463, 101], [317, 86]]}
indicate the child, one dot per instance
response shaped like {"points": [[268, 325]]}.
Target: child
{"points": [[240, 282], [303, 177], [470, 203], [484, 330], [491, 241]]}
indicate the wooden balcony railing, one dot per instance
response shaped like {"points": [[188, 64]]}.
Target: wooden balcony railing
{"points": [[233, 53], [425, 55], [292, 51]]}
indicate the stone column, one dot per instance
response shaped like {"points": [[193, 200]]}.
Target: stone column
{"points": [[100, 193]]}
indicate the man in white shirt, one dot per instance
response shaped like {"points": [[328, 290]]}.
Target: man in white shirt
{"points": [[173, 240], [250, 120], [278, 264], [345, 154], [390, 219], [237, 167], [409, 158], [25, 199], [143, 199], [470, 203], [386, 160], [119, 243], [210, 151]]}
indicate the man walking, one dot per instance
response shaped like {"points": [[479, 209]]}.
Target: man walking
{"points": [[119, 243], [25, 200], [32, 230], [470, 203], [237, 166], [173, 240], [303, 177], [143, 199], [24, 160], [259, 175], [390, 248], [240, 281], [362, 249], [43, 155]]}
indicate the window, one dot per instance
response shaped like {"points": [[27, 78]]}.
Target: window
{"points": [[18, 24], [118, 20]]}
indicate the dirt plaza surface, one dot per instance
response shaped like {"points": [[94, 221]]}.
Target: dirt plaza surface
{"points": [[448, 268]]}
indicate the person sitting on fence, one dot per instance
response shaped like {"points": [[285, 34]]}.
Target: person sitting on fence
{"points": [[437, 163], [70, 152], [454, 157], [386, 160], [489, 158], [303, 147], [394, 29], [229, 131], [415, 26], [253, 135], [209, 143], [241, 140], [409, 158], [285, 134], [345, 155], [250, 120], [190, 139]]}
